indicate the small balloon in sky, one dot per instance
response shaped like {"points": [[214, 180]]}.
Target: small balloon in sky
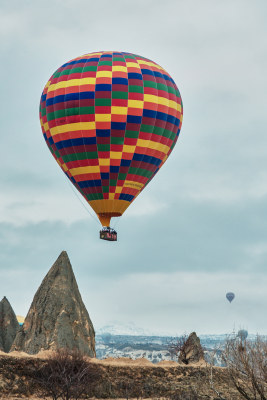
{"points": [[230, 296], [242, 334], [111, 120]]}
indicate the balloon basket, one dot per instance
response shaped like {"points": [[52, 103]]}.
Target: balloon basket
{"points": [[108, 234]]}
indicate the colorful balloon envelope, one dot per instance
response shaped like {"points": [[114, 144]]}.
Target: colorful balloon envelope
{"points": [[110, 119]]}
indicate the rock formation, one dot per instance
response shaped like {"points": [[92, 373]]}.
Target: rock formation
{"points": [[191, 351], [57, 317], [8, 325]]}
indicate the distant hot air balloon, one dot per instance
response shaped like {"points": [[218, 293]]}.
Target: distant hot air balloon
{"points": [[110, 119], [242, 334], [230, 296]]}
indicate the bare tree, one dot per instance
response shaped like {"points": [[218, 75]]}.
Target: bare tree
{"points": [[246, 363], [177, 347], [66, 375]]}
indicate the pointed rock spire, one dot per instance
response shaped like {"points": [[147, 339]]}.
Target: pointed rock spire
{"points": [[57, 316], [8, 325], [191, 351]]}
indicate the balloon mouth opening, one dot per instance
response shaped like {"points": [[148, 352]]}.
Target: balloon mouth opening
{"points": [[105, 218]]}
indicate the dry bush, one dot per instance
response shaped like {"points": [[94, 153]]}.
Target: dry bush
{"points": [[66, 375], [246, 364], [178, 347]]}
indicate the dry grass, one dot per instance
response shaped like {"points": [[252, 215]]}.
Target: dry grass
{"points": [[120, 378]]}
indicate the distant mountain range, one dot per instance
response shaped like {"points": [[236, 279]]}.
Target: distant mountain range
{"points": [[117, 328]]}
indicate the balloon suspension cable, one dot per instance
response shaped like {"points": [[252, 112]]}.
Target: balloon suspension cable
{"points": [[117, 222], [93, 216]]}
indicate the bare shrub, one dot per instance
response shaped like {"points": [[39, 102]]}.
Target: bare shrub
{"points": [[178, 347], [66, 375], [246, 363]]}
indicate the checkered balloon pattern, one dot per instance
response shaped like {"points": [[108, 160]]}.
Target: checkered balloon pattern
{"points": [[110, 119]]}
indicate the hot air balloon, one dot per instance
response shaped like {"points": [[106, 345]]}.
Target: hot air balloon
{"points": [[242, 334], [111, 120], [230, 296]]}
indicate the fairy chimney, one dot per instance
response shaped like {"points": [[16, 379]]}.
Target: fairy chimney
{"points": [[191, 351], [8, 325], [57, 317]]}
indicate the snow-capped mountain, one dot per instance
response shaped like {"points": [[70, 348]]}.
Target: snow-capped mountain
{"points": [[116, 328]]}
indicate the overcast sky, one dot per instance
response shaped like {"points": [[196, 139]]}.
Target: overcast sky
{"points": [[199, 229]]}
